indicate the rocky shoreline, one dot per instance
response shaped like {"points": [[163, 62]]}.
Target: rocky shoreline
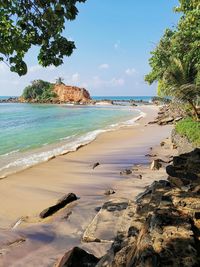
{"points": [[161, 227], [165, 228], [89, 102]]}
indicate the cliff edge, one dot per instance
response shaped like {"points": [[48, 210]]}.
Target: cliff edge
{"points": [[68, 93]]}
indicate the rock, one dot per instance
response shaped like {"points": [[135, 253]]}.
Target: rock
{"points": [[166, 120], [77, 257], [178, 119], [162, 143], [126, 172], [196, 189], [153, 122], [134, 104], [151, 155], [112, 219], [186, 166], [71, 94], [156, 165], [181, 143], [177, 181], [97, 209], [165, 183], [133, 231], [164, 226], [95, 165], [59, 205], [109, 192], [104, 102], [197, 215], [10, 100]]}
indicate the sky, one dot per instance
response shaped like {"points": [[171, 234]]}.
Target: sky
{"points": [[113, 40]]}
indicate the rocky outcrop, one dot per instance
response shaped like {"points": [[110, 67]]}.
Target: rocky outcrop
{"points": [[181, 142], [71, 94], [77, 257], [108, 219], [165, 227], [65, 94], [10, 100], [168, 114]]}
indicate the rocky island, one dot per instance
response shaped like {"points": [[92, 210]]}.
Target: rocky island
{"points": [[56, 93]]}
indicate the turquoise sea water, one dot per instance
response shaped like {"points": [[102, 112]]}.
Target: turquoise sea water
{"points": [[117, 98], [124, 98], [32, 133]]}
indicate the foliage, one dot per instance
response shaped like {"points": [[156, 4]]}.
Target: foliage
{"points": [[161, 100], [175, 62], [39, 90], [189, 129], [39, 23], [59, 80]]}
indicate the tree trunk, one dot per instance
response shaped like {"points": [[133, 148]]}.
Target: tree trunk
{"points": [[195, 110]]}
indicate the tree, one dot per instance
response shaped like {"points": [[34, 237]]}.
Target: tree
{"points": [[39, 90], [26, 23], [175, 62], [180, 79], [59, 80]]}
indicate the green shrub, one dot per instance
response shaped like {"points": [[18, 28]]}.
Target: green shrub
{"points": [[39, 90], [190, 129]]}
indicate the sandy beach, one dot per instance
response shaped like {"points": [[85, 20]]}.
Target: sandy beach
{"points": [[27, 193]]}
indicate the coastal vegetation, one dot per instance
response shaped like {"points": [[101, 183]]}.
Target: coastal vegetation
{"points": [[30, 23], [175, 62], [39, 90], [191, 129]]}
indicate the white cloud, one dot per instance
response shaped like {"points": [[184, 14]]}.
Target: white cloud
{"points": [[104, 66], [75, 77], [97, 82], [117, 82], [36, 68], [130, 71], [117, 44]]}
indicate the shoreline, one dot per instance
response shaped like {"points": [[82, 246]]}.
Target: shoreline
{"points": [[51, 151], [29, 192], [104, 139]]}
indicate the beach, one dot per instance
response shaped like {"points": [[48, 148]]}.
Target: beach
{"points": [[26, 193]]}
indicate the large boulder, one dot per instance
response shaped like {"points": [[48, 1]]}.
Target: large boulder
{"points": [[186, 166], [77, 257]]}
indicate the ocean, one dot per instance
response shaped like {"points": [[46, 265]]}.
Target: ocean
{"points": [[33, 133], [123, 98]]}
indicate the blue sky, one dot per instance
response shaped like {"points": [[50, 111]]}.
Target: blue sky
{"points": [[113, 39]]}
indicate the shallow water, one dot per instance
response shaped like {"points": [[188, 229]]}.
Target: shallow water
{"points": [[32, 133]]}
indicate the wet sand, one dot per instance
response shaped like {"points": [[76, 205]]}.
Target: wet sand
{"points": [[28, 192]]}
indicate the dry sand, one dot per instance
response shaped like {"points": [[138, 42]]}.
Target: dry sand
{"points": [[28, 192]]}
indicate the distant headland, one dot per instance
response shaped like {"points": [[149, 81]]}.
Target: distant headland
{"points": [[40, 91]]}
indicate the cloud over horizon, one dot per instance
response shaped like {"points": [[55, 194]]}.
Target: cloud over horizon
{"points": [[104, 66]]}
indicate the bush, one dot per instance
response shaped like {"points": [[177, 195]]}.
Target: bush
{"points": [[39, 90], [190, 129]]}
